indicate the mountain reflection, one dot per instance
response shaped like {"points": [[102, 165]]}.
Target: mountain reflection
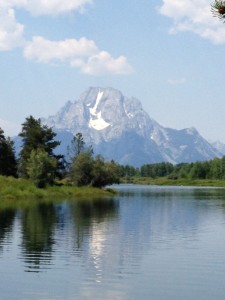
{"points": [[77, 219]]}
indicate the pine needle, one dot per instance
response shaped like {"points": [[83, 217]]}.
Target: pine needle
{"points": [[218, 9]]}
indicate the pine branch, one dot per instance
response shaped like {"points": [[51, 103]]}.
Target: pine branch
{"points": [[218, 9]]}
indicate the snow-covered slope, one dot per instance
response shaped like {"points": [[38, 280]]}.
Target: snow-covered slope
{"points": [[119, 129], [96, 121]]}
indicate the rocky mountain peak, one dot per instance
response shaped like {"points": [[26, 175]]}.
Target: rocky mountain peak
{"points": [[119, 129]]}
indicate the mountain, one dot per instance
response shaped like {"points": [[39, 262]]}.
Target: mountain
{"points": [[118, 128], [219, 146]]}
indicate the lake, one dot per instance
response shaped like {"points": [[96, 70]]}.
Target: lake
{"points": [[147, 242]]}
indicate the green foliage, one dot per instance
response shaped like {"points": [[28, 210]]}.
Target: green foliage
{"points": [[128, 171], [8, 163], [95, 172], [81, 169], [41, 168], [104, 173], [21, 191], [38, 224], [85, 170], [179, 182], [182, 170], [204, 170], [76, 147], [218, 9], [157, 170], [199, 170], [35, 136]]}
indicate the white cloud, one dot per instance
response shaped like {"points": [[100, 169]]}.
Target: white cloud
{"points": [[11, 32], [195, 16], [82, 54], [47, 7], [103, 63], [177, 81], [50, 7], [42, 50], [79, 53]]}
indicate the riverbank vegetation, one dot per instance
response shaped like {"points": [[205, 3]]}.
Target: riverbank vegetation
{"points": [[23, 189], [38, 172]]}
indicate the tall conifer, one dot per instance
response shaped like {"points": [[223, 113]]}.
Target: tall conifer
{"points": [[8, 163]]}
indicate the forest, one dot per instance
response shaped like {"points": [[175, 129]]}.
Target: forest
{"points": [[213, 169]]}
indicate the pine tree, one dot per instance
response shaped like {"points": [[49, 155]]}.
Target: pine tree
{"points": [[218, 9], [35, 136], [76, 147], [8, 163]]}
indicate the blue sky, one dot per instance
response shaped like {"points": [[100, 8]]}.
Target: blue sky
{"points": [[167, 53]]}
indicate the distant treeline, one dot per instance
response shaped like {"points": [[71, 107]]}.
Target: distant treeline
{"points": [[213, 169]]}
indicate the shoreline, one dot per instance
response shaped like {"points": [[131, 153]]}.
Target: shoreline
{"points": [[176, 182]]}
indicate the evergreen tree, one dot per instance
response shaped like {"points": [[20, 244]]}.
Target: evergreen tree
{"points": [[8, 163], [35, 136], [218, 9], [78, 144], [76, 147]]}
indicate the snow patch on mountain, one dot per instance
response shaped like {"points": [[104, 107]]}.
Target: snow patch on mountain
{"points": [[96, 121], [93, 111], [130, 115], [99, 123]]}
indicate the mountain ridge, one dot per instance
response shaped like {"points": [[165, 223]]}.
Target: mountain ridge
{"points": [[120, 129]]}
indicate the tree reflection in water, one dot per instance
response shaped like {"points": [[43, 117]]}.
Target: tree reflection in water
{"points": [[45, 225], [87, 213], [7, 218], [38, 223]]}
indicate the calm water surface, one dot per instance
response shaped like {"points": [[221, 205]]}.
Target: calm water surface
{"points": [[145, 243]]}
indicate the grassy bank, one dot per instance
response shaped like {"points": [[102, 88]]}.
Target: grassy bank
{"points": [[21, 189], [17, 189], [177, 182]]}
